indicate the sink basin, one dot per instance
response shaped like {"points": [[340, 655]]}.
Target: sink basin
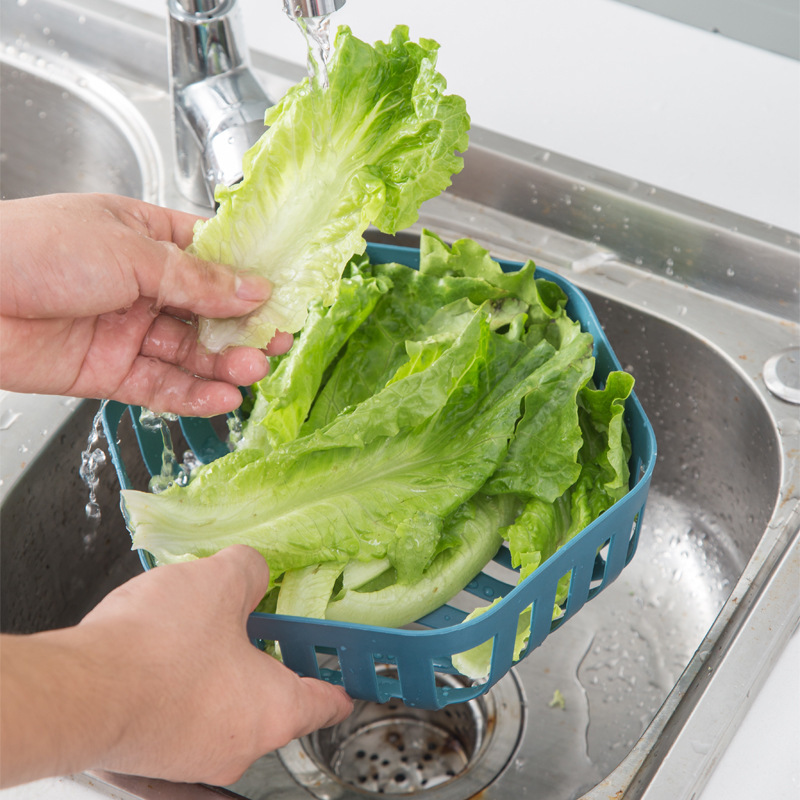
{"points": [[55, 139], [655, 672], [63, 128]]}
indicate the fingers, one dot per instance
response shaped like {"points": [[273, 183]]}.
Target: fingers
{"points": [[319, 704], [172, 277], [124, 249], [323, 704], [169, 225], [279, 344], [166, 388], [316, 703], [292, 706], [172, 340], [175, 342], [166, 370]]}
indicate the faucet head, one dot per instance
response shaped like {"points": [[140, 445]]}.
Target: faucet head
{"points": [[305, 9]]}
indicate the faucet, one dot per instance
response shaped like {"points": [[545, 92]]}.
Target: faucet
{"points": [[306, 9], [218, 105]]}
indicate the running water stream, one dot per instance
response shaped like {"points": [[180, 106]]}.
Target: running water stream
{"points": [[316, 32], [93, 458]]}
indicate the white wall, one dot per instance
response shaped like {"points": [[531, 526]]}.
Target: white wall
{"points": [[603, 82]]}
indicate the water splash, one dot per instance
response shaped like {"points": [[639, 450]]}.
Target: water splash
{"points": [[172, 470], [93, 458]]}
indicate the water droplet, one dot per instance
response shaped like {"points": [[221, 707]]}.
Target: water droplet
{"points": [[8, 418]]}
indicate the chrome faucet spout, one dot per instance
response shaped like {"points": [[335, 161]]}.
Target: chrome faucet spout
{"points": [[311, 8], [218, 105]]}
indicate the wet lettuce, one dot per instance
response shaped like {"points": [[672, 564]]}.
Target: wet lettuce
{"points": [[382, 138], [419, 421]]}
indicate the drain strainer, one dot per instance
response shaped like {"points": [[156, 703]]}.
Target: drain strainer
{"points": [[392, 749], [400, 756]]}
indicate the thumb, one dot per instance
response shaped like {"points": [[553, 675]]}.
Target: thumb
{"points": [[319, 705], [245, 568], [180, 280]]}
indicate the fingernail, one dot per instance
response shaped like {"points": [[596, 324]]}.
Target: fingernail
{"points": [[252, 287]]}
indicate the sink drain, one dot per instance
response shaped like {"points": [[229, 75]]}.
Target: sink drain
{"points": [[399, 755], [391, 749]]}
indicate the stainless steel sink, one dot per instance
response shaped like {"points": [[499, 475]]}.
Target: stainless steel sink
{"points": [[55, 139], [64, 128], [701, 305]]}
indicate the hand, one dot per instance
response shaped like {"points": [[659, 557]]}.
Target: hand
{"points": [[159, 680], [95, 295]]}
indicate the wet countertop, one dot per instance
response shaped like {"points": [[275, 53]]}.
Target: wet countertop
{"points": [[626, 90]]}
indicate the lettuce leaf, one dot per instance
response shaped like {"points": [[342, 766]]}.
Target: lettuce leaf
{"points": [[476, 525], [545, 525], [368, 149]]}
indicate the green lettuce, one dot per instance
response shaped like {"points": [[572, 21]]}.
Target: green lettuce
{"points": [[543, 526], [421, 420], [368, 149]]}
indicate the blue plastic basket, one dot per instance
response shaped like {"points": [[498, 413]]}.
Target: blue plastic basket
{"points": [[355, 655]]}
